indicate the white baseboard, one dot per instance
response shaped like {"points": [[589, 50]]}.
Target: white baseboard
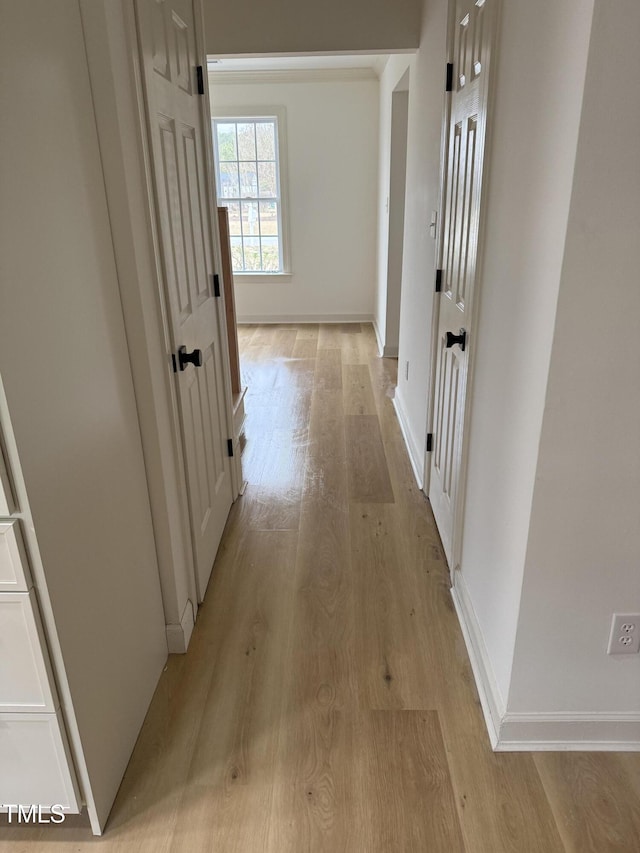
{"points": [[378, 338], [303, 318], [539, 731], [384, 351], [179, 636], [416, 456], [491, 700], [595, 732]]}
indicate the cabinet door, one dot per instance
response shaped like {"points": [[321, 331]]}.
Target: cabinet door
{"points": [[26, 682], [35, 763], [7, 502], [14, 568]]}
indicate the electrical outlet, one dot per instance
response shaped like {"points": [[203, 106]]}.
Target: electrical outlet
{"points": [[624, 638]]}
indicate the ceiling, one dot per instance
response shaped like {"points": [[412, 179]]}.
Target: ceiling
{"points": [[314, 62]]}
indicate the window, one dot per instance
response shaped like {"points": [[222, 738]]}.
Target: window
{"points": [[248, 177]]}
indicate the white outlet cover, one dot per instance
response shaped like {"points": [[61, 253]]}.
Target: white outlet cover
{"points": [[624, 638]]}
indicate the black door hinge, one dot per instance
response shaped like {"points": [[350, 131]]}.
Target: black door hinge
{"points": [[229, 447], [429, 442], [449, 85], [216, 284], [438, 281], [200, 79]]}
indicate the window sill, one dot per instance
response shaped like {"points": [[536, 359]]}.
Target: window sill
{"points": [[262, 277]]}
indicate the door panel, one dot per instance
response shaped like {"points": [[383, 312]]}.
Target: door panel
{"points": [[473, 36], [166, 31]]}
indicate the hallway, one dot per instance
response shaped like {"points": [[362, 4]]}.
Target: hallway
{"points": [[326, 702]]}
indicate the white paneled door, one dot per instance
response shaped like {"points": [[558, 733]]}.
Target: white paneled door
{"points": [[475, 23], [166, 30]]}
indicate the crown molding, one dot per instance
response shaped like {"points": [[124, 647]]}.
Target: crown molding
{"points": [[297, 75]]}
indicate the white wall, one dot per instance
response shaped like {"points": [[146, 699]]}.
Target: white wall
{"points": [[289, 26], [426, 100], [531, 160], [332, 145], [395, 68], [583, 554]]}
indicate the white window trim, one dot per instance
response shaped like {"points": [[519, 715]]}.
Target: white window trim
{"points": [[255, 114]]}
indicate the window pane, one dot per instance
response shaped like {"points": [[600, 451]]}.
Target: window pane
{"points": [[226, 141], [236, 254], [246, 141], [269, 217], [249, 218], [266, 140], [248, 180], [270, 254], [252, 253], [228, 181], [267, 180], [234, 218]]}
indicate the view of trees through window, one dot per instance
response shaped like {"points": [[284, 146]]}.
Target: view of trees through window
{"points": [[246, 157]]}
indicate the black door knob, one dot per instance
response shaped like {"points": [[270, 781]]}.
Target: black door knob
{"points": [[460, 338], [185, 358]]}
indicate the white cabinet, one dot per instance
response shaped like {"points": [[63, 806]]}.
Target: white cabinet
{"points": [[26, 682], [14, 568], [35, 765], [35, 762], [7, 501]]}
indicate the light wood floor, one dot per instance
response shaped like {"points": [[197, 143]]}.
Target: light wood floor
{"points": [[327, 702]]}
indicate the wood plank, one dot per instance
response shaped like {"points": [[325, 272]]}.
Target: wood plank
{"points": [[408, 791], [369, 480], [314, 790], [305, 348], [226, 803], [328, 369], [329, 336], [391, 675], [594, 798], [308, 331], [358, 393], [284, 340], [246, 331], [278, 497]]}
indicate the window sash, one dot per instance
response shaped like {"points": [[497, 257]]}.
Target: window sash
{"points": [[277, 199]]}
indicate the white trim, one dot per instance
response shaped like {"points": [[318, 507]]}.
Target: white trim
{"points": [[569, 731], [378, 338], [179, 636], [261, 277], [303, 318], [491, 700], [298, 75], [383, 350], [253, 113], [538, 731], [415, 455]]}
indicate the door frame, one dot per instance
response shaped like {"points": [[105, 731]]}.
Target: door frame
{"points": [[116, 82], [473, 310]]}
